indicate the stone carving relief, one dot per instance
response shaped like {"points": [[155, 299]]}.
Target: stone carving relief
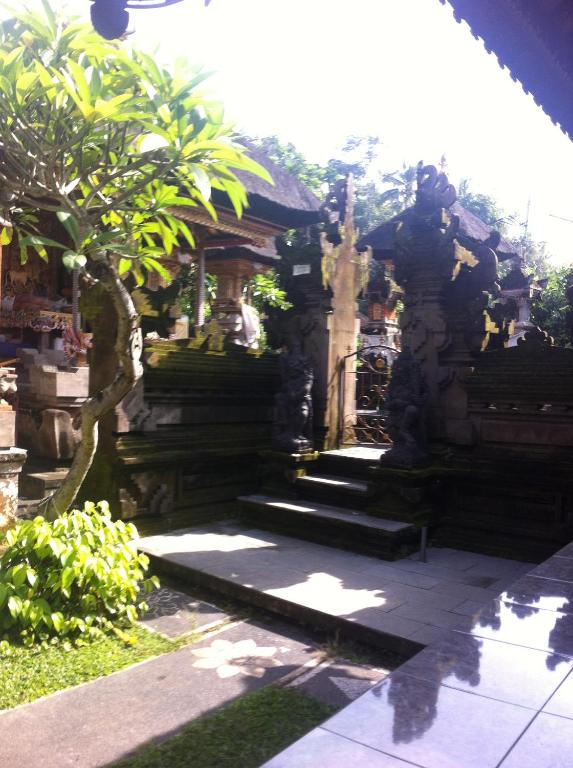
{"points": [[293, 402], [406, 403]]}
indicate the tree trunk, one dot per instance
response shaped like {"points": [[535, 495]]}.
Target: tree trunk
{"points": [[128, 346]]}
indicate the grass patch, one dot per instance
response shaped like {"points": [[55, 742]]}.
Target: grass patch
{"points": [[29, 673], [244, 734]]}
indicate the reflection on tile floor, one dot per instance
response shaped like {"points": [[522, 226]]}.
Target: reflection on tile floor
{"points": [[497, 690], [431, 725]]}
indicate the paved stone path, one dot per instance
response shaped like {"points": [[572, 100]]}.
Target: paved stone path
{"points": [[97, 724], [406, 599], [174, 614]]}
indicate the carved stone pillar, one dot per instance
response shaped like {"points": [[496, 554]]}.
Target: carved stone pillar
{"points": [[448, 316], [345, 272]]}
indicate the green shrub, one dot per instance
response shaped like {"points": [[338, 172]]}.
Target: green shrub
{"points": [[75, 578]]}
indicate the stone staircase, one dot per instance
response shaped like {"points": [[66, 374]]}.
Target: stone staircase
{"points": [[314, 553], [328, 506]]}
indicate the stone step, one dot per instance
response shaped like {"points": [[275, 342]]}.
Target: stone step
{"points": [[335, 489], [352, 461], [28, 508], [37, 485], [336, 483], [331, 525]]}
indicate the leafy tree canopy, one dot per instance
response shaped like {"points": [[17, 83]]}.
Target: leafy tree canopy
{"points": [[106, 140], [550, 310]]}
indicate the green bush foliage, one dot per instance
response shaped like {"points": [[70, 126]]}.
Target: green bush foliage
{"points": [[75, 578]]}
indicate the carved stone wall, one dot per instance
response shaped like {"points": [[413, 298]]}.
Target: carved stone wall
{"points": [[189, 438]]}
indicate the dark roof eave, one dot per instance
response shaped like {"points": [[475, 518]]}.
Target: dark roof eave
{"points": [[537, 57]]}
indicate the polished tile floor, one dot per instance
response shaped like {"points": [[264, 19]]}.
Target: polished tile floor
{"points": [[495, 690]]}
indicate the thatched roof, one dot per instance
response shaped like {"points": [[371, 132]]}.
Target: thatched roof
{"points": [[288, 203], [534, 40], [472, 231]]}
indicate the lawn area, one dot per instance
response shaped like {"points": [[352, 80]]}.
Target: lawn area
{"points": [[27, 674], [244, 734]]}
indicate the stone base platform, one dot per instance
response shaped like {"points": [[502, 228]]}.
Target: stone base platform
{"points": [[401, 605]]}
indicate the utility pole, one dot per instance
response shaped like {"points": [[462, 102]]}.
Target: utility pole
{"points": [[554, 216], [525, 228]]}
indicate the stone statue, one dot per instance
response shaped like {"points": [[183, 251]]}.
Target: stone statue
{"points": [[293, 403], [434, 190], [406, 404], [333, 211]]}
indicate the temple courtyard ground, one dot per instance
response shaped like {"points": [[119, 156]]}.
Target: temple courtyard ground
{"points": [[219, 675], [397, 607], [401, 605]]}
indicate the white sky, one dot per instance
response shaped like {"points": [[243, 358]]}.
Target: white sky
{"points": [[316, 71]]}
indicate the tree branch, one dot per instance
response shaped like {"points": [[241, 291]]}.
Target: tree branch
{"points": [[128, 347]]}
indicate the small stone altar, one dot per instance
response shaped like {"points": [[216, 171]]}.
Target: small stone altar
{"points": [[52, 392]]}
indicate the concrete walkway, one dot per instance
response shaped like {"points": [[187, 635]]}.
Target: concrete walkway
{"points": [[101, 722], [406, 604]]}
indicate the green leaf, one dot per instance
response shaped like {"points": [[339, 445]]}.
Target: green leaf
{"points": [[57, 621], [73, 260], [153, 265], [25, 81], [68, 576], [18, 575], [39, 240], [124, 266], [201, 180], [14, 606], [32, 577], [50, 16], [70, 225], [81, 83], [165, 113], [6, 235], [151, 142], [56, 546]]}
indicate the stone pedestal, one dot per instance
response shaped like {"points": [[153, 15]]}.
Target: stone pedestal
{"points": [[280, 470], [410, 496], [11, 462]]}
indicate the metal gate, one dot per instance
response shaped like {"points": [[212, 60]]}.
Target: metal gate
{"points": [[364, 377]]}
